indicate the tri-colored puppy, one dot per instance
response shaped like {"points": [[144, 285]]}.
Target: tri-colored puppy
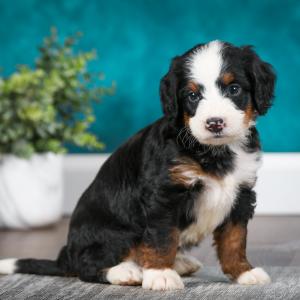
{"points": [[189, 174]]}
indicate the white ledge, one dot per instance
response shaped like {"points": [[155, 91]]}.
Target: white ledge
{"points": [[277, 187]]}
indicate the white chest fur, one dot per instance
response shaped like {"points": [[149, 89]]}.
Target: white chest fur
{"points": [[217, 199]]}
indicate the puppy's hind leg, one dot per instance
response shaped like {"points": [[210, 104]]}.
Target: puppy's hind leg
{"points": [[186, 264], [92, 264], [96, 266]]}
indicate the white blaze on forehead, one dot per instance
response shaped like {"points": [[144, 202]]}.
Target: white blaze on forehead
{"points": [[205, 64], [204, 67]]}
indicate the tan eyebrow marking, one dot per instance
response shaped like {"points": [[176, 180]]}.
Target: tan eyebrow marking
{"points": [[193, 86], [227, 78]]}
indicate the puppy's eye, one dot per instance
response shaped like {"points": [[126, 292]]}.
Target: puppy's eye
{"points": [[194, 97], [234, 90]]}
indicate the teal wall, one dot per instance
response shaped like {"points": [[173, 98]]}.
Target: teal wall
{"points": [[136, 39]]}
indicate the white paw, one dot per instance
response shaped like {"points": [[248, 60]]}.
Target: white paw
{"points": [[254, 276], [186, 264], [125, 273], [161, 280]]}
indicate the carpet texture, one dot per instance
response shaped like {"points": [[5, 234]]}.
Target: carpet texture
{"points": [[209, 283]]}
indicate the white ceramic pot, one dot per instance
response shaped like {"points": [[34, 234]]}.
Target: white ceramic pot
{"points": [[31, 191]]}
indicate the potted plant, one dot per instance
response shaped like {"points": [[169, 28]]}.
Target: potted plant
{"points": [[43, 109]]}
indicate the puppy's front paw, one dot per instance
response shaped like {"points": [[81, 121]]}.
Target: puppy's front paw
{"points": [[186, 264], [126, 273], [254, 276], [161, 280]]}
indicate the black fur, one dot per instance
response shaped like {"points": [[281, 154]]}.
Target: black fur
{"points": [[263, 76], [133, 199]]}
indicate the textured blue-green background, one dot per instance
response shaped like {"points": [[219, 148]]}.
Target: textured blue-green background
{"points": [[136, 39]]}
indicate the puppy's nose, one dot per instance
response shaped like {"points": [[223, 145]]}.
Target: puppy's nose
{"points": [[215, 124]]}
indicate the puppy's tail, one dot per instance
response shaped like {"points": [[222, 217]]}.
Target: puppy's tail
{"points": [[57, 267], [30, 266]]}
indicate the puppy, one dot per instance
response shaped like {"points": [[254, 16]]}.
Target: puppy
{"points": [[189, 174]]}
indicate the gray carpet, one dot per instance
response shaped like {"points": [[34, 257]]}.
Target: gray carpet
{"points": [[209, 283]]}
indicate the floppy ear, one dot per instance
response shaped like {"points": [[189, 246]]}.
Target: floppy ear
{"points": [[168, 91], [263, 82]]}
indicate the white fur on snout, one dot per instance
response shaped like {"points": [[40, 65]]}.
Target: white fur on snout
{"points": [[224, 108]]}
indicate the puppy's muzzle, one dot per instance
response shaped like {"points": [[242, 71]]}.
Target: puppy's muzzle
{"points": [[215, 125]]}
